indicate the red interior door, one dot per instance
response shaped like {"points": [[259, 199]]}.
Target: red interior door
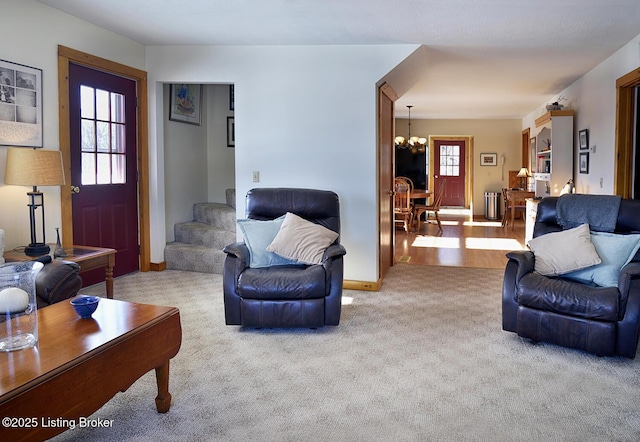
{"points": [[449, 164], [103, 151]]}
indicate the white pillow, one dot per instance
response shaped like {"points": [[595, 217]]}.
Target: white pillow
{"points": [[302, 240], [562, 252]]}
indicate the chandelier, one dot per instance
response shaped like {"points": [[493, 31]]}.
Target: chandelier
{"points": [[415, 144]]}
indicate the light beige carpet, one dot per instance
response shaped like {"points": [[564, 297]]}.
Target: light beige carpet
{"points": [[424, 359]]}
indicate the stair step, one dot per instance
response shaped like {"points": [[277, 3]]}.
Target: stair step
{"points": [[203, 235], [194, 258], [215, 214], [230, 195]]}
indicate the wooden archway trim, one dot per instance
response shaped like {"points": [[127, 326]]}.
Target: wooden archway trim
{"points": [[625, 117], [65, 56]]}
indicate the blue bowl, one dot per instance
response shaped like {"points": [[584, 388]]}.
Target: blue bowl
{"points": [[85, 305]]}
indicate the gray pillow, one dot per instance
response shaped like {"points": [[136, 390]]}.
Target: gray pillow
{"points": [[562, 252], [302, 240]]}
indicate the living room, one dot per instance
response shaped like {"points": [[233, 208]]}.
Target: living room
{"points": [[307, 117], [307, 110]]}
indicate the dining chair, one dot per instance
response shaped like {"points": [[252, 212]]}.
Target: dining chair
{"points": [[514, 203], [434, 208], [402, 210]]}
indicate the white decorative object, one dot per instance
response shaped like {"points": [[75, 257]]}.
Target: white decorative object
{"points": [[13, 300]]}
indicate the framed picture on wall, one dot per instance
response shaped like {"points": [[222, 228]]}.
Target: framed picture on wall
{"points": [[488, 159], [584, 162], [20, 105], [583, 137], [231, 132], [185, 103]]}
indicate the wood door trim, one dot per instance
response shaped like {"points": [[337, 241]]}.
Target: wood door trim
{"points": [[385, 169], [526, 145], [65, 56], [468, 140], [625, 113]]}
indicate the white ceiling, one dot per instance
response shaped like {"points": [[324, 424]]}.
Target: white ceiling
{"points": [[486, 58]]}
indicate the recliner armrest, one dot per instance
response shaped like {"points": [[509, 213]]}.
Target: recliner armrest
{"points": [[526, 262], [238, 250], [628, 273], [333, 251]]}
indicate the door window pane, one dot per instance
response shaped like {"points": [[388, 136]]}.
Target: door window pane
{"points": [[88, 169], [102, 105], [103, 136], [87, 107], [104, 169]]}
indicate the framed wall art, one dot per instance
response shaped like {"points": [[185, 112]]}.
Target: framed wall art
{"points": [[232, 98], [231, 132], [488, 159], [584, 162], [185, 103], [583, 137], [20, 105]]}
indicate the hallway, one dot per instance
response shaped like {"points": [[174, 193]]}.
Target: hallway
{"points": [[464, 242]]}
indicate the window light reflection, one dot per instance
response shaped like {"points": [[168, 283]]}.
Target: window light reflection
{"points": [[436, 242], [506, 244]]}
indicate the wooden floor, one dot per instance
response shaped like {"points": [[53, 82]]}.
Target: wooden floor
{"points": [[464, 242]]}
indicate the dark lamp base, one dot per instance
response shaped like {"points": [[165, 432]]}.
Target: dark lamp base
{"points": [[37, 249]]}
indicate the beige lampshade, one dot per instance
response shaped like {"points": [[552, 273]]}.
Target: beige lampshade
{"points": [[34, 167], [524, 172]]}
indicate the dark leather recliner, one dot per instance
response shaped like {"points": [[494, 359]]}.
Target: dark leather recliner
{"points": [[56, 281], [291, 295], [552, 309]]}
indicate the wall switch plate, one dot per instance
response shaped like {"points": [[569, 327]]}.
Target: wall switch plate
{"points": [[256, 176]]}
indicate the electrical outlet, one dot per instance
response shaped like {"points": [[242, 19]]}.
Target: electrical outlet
{"points": [[256, 176]]}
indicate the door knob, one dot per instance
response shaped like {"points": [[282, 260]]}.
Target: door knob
{"points": [[74, 190]]}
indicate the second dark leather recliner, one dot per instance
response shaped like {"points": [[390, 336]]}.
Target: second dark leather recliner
{"points": [[287, 295]]}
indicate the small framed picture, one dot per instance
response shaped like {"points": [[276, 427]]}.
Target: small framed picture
{"points": [[583, 137], [584, 162], [231, 132], [488, 159], [185, 104], [232, 98]]}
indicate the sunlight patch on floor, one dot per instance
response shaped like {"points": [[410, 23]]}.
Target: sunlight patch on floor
{"points": [[493, 244], [483, 223], [436, 242]]}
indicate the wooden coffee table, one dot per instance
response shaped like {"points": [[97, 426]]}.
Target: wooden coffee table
{"points": [[78, 365]]}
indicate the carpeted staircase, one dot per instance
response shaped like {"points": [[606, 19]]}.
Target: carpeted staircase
{"points": [[198, 244]]}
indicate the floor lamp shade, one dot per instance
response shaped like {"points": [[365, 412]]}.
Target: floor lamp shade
{"points": [[34, 167]]}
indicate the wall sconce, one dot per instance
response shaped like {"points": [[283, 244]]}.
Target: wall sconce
{"points": [[34, 167]]}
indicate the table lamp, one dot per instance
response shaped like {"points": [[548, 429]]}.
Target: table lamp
{"points": [[34, 167], [524, 174]]}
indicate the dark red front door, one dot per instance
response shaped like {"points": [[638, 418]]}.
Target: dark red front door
{"points": [[103, 149], [449, 164]]}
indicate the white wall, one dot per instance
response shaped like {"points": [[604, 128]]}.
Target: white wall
{"points": [[593, 98], [220, 158], [305, 117], [185, 171], [502, 137], [32, 34]]}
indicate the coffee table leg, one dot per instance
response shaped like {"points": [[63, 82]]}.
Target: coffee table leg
{"points": [[163, 400], [108, 279]]}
